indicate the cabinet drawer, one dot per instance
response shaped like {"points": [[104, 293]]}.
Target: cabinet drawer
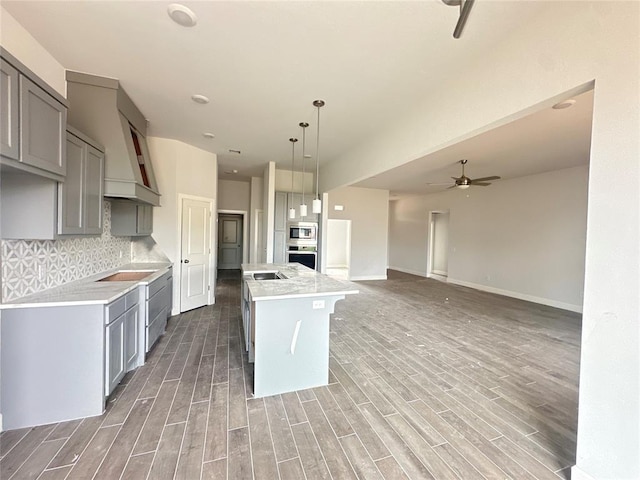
{"points": [[158, 284], [156, 304], [131, 299], [115, 309], [156, 328]]}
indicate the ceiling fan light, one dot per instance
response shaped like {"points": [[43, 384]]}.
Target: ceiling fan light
{"points": [[462, 186]]}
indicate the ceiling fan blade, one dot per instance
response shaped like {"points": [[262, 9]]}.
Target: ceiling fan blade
{"points": [[437, 184], [452, 186], [484, 179], [480, 184]]}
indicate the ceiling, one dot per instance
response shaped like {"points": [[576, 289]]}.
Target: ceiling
{"points": [[543, 141], [262, 64]]}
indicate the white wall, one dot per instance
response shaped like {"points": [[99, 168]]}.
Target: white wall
{"points": [[21, 44], [180, 169], [234, 195], [338, 243], [283, 182], [523, 237], [255, 205], [368, 210], [567, 46], [269, 209], [440, 246]]}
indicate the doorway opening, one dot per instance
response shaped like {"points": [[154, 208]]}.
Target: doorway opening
{"points": [[338, 248], [438, 257], [232, 230]]}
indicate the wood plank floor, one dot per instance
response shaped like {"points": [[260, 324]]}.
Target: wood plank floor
{"points": [[428, 381]]}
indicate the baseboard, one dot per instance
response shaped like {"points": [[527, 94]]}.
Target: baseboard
{"points": [[521, 296], [577, 474], [368, 277], [409, 271], [337, 266]]}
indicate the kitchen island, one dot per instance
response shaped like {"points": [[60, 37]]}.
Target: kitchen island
{"points": [[286, 311]]}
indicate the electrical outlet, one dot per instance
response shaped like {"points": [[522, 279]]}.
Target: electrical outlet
{"points": [[317, 304]]}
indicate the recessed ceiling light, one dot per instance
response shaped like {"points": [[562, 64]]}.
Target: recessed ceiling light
{"points": [[235, 171], [564, 104], [208, 135], [306, 155], [201, 99], [182, 15]]}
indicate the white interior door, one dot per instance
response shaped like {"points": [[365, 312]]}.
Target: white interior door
{"points": [[195, 253], [229, 242]]}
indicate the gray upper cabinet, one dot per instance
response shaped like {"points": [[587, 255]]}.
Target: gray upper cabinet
{"points": [[9, 119], [80, 196], [43, 122], [32, 124], [131, 218]]}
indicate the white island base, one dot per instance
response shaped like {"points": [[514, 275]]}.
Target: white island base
{"points": [[291, 344], [286, 323]]}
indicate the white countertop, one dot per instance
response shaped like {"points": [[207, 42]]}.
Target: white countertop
{"points": [[301, 281], [88, 291]]}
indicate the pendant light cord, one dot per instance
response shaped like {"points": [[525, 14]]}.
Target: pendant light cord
{"points": [[293, 153], [304, 126], [318, 154]]}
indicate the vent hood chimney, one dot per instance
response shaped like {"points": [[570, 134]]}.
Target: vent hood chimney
{"points": [[99, 107]]}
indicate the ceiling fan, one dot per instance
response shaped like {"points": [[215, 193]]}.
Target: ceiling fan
{"points": [[465, 182]]}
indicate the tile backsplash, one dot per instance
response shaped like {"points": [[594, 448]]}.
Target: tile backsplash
{"points": [[29, 266]]}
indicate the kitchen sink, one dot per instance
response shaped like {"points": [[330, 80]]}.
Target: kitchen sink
{"points": [[268, 276], [126, 276]]}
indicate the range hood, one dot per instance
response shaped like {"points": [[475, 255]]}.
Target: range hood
{"points": [[100, 108]]}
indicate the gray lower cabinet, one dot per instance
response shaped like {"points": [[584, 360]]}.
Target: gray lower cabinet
{"points": [[34, 121], [80, 205], [158, 302], [121, 339], [59, 363], [131, 218]]}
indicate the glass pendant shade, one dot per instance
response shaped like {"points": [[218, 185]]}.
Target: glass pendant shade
{"points": [[303, 210], [292, 213], [316, 207]]}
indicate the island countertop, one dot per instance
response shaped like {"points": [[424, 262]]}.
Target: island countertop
{"points": [[300, 282], [89, 290]]}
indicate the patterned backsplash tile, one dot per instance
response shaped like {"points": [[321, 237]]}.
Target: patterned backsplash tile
{"points": [[29, 266]]}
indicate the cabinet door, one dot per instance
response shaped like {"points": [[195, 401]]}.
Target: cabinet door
{"points": [[71, 195], [279, 247], [9, 119], [93, 191], [145, 219], [281, 211], [43, 123], [114, 361], [131, 338]]}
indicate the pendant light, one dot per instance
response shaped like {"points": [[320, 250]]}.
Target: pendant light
{"points": [[292, 211], [317, 203], [303, 205]]}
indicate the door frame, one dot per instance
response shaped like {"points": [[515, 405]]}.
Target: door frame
{"points": [[245, 246], [430, 235], [213, 245]]}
